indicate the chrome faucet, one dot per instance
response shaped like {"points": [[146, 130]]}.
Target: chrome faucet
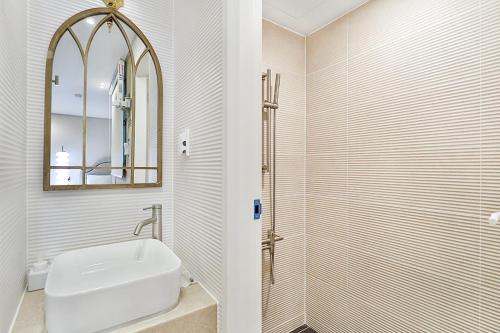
{"points": [[155, 220]]}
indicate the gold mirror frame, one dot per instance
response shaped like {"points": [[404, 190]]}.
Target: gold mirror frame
{"points": [[110, 13]]}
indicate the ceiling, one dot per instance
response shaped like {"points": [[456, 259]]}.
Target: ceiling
{"points": [[307, 16]]}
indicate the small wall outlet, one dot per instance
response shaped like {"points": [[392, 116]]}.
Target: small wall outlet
{"points": [[184, 144]]}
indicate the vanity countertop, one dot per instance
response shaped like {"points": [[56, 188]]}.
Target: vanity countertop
{"points": [[195, 313]]}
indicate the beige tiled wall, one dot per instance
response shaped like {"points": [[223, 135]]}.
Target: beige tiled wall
{"points": [[403, 168], [283, 303]]}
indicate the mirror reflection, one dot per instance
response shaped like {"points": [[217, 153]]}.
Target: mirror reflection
{"points": [[104, 107], [67, 113], [146, 104], [107, 114]]}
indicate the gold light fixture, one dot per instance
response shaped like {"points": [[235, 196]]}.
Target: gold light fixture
{"points": [[115, 4], [110, 25]]}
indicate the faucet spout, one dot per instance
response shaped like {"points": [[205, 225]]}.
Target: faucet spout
{"points": [[142, 224]]}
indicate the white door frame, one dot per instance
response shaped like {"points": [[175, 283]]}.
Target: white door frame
{"points": [[242, 306]]}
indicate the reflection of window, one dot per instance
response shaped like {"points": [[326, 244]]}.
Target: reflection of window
{"points": [[62, 175], [110, 93]]}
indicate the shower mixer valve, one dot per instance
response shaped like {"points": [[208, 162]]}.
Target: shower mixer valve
{"points": [[269, 245]]}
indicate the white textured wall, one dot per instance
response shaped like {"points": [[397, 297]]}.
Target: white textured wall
{"points": [[60, 221], [12, 152], [217, 88], [199, 106]]}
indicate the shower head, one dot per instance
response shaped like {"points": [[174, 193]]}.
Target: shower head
{"points": [[276, 89]]}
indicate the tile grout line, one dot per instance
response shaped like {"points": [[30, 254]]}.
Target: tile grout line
{"points": [[394, 262], [480, 161], [305, 198], [409, 35], [348, 23]]}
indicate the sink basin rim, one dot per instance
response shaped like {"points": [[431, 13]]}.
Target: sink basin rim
{"points": [[62, 294]]}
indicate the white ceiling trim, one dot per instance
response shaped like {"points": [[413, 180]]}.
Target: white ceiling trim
{"points": [[284, 27], [306, 17], [361, 3]]}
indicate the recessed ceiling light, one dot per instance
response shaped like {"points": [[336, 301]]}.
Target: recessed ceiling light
{"points": [[102, 85], [90, 21]]}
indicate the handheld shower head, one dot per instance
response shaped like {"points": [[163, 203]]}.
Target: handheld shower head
{"points": [[277, 89]]}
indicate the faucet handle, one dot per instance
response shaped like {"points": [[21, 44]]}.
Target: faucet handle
{"points": [[155, 206]]}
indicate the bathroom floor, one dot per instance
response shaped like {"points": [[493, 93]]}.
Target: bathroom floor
{"points": [[303, 329]]}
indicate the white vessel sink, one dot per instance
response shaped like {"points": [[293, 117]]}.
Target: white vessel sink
{"points": [[93, 289]]}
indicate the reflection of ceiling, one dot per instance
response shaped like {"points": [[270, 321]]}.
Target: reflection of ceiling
{"points": [[105, 52], [306, 16]]}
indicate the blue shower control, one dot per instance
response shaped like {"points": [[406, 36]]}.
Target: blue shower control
{"points": [[257, 209]]}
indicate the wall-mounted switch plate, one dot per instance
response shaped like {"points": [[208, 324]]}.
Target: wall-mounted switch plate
{"points": [[257, 209], [184, 144]]}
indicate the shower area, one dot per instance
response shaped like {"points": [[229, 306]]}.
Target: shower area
{"points": [[380, 169], [283, 179]]}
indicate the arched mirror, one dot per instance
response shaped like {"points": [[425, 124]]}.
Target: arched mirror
{"points": [[103, 105]]}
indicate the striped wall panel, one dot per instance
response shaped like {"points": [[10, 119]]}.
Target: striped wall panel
{"points": [[198, 183], [490, 165], [61, 221], [13, 157], [283, 302], [403, 114]]}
